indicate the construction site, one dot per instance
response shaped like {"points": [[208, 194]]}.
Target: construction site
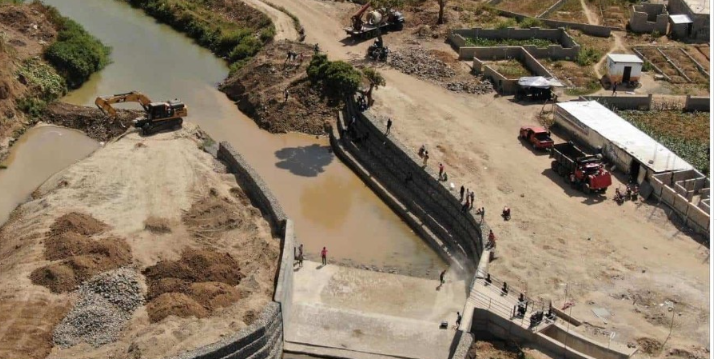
{"points": [[324, 179]]}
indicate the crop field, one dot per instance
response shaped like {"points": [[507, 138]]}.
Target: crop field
{"points": [[570, 11], [686, 134], [659, 56], [532, 8], [612, 12], [479, 41], [511, 69]]}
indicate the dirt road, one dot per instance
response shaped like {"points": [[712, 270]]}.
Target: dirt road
{"points": [[283, 23], [557, 236]]}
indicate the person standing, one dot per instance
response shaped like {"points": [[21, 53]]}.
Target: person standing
{"points": [[442, 277], [458, 320], [388, 126], [286, 94], [440, 171], [425, 159], [614, 88], [301, 255], [473, 198], [323, 256], [463, 191]]}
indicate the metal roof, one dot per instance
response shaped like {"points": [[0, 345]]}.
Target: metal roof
{"points": [[629, 58], [539, 82], [680, 19], [625, 136]]}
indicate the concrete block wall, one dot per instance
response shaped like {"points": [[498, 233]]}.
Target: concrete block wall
{"points": [[648, 18], [700, 22], [390, 162], [592, 30], [623, 102], [284, 282], [676, 190], [697, 103], [551, 9], [503, 84], [567, 48]]}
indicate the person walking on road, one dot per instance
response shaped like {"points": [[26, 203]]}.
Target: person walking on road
{"points": [[388, 126], [614, 88], [458, 320], [323, 256], [301, 255], [425, 159], [442, 277], [473, 198]]}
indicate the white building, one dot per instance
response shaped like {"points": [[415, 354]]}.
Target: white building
{"points": [[630, 149], [623, 68]]}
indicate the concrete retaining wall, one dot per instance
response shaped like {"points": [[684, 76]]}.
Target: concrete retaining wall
{"points": [[263, 339], [464, 346], [649, 18], [697, 103], [566, 48], [437, 208], [551, 9], [577, 346]]}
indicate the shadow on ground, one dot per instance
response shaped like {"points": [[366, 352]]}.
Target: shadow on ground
{"points": [[306, 161]]}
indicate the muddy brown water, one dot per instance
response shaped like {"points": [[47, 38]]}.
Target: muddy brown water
{"points": [[38, 154], [330, 206]]}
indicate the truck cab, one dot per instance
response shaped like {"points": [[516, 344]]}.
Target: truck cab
{"points": [[538, 137]]}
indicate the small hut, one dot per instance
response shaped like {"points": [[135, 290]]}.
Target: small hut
{"points": [[623, 68]]}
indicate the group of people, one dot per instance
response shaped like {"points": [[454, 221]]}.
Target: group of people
{"points": [[291, 57], [299, 255], [423, 153]]}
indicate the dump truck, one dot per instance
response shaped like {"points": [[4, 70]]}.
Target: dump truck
{"points": [[582, 171], [538, 137], [377, 22]]}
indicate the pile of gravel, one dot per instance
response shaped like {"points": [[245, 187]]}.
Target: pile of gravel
{"points": [[106, 302], [417, 61]]}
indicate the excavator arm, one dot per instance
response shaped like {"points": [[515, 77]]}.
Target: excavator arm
{"points": [[356, 21], [104, 103]]}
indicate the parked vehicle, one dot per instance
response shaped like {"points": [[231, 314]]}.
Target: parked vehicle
{"points": [[583, 171], [538, 137]]}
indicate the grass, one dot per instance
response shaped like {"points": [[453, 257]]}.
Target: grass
{"points": [[479, 41], [686, 134], [588, 88], [43, 79], [571, 11], [512, 69]]}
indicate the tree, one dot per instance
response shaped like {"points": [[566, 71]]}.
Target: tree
{"points": [[441, 6], [342, 78], [375, 79]]}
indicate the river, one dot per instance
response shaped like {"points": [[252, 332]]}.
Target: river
{"points": [[330, 206]]}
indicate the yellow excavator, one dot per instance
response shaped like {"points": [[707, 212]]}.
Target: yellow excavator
{"points": [[158, 115]]}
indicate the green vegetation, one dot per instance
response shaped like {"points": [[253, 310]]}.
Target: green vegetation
{"points": [[32, 106], [479, 41], [75, 54], [588, 56], [204, 21], [589, 88], [529, 22], [338, 77], [375, 80], [510, 22], [42, 79], [686, 134], [512, 69], [11, 1]]}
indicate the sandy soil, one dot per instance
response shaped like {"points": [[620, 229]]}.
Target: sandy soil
{"points": [[605, 252], [283, 24], [164, 178]]}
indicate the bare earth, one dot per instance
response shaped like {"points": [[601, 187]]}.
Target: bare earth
{"points": [[611, 256], [153, 192]]}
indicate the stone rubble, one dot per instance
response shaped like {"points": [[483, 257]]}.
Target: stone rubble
{"points": [[106, 302], [418, 62]]}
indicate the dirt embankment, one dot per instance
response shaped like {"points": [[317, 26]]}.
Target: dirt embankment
{"points": [[146, 248], [24, 31], [258, 89], [90, 120]]}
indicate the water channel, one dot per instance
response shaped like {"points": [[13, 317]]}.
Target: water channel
{"points": [[329, 204]]}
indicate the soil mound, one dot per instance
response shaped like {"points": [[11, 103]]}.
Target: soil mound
{"points": [[157, 225], [211, 216], [77, 222], [204, 277], [258, 89], [177, 304], [81, 256]]}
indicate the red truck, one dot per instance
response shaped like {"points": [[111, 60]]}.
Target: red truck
{"points": [[583, 171], [538, 137]]}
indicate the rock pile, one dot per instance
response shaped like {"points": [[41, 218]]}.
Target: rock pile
{"points": [[106, 303], [418, 62]]}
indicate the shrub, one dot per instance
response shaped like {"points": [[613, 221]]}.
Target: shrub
{"points": [[507, 23], [31, 106], [228, 40], [529, 22], [588, 56], [76, 54], [267, 34], [43, 79], [236, 66], [248, 47], [317, 67]]}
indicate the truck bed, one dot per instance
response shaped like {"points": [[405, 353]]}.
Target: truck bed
{"points": [[567, 150]]}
